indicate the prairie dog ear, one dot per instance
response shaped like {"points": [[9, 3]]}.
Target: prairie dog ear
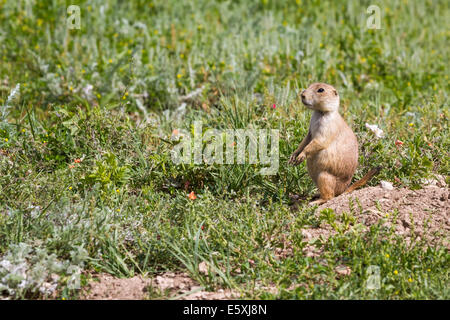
{"points": [[335, 92]]}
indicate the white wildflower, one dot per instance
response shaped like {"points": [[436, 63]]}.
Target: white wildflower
{"points": [[374, 128], [87, 91]]}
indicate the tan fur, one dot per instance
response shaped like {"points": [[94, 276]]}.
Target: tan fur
{"points": [[330, 147]]}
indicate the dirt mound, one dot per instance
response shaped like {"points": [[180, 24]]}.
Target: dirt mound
{"points": [[421, 203], [421, 213], [170, 285]]}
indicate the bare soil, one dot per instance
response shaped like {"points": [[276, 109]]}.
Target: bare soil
{"points": [[172, 285]]}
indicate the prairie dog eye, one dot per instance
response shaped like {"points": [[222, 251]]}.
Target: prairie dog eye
{"points": [[321, 90]]}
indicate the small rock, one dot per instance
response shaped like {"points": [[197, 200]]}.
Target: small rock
{"points": [[386, 185]]}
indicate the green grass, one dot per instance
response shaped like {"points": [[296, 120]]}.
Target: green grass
{"points": [[122, 208]]}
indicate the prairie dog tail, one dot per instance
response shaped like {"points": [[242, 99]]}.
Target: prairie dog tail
{"points": [[369, 175]]}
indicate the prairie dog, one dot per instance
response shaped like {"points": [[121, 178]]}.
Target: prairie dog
{"points": [[330, 147]]}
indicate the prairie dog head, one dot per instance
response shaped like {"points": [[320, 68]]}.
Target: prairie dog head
{"points": [[321, 97]]}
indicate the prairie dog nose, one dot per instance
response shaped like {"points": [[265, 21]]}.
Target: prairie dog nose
{"points": [[303, 94]]}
